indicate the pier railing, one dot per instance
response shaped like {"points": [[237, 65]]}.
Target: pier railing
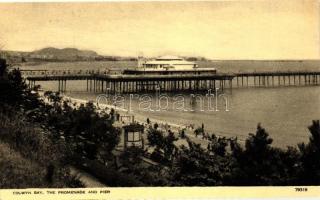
{"points": [[32, 72]]}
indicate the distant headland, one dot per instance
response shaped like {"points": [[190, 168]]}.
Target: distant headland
{"points": [[52, 54]]}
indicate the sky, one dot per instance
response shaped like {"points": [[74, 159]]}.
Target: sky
{"points": [[269, 29]]}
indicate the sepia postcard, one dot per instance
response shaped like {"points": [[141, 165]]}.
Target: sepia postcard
{"points": [[160, 100]]}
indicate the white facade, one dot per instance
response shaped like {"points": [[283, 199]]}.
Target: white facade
{"points": [[168, 63]]}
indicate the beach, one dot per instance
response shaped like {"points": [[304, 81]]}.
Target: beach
{"points": [[142, 119]]}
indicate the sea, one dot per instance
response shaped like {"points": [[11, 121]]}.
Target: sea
{"points": [[285, 112]]}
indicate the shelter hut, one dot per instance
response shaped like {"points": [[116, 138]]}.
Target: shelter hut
{"points": [[133, 135]]}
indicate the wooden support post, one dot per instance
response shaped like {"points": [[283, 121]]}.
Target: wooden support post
{"points": [[299, 79], [132, 86], [305, 80], [266, 80], [182, 85], [127, 87], [98, 85], [94, 85], [222, 88], [87, 85], [289, 80], [272, 81]]}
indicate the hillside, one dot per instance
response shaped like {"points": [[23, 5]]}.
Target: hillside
{"points": [[63, 54], [52, 54]]}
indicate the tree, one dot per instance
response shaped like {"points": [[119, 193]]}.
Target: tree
{"points": [[310, 156], [12, 88], [218, 145], [87, 132], [164, 145], [155, 126], [3, 66], [96, 132], [168, 145], [258, 163], [195, 166], [155, 137]]}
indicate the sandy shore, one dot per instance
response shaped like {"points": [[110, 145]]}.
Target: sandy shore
{"points": [[124, 112], [142, 119]]}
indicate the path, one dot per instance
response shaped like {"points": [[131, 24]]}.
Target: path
{"points": [[87, 179]]}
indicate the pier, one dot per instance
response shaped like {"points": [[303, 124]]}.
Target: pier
{"points": [[97, 81], [277, 79]]}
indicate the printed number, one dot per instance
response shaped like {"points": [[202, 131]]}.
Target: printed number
{"points": [[301, 189]]}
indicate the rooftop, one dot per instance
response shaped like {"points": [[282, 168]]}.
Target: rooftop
{"points": [[169, 62], [133, 127], [169, 58]]}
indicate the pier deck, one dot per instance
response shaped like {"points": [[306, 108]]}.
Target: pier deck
{"points": [[122, 83]]}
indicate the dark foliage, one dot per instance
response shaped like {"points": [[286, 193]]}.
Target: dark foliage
{"points": [[310, 157], [107, 175], [195, 166], [163, 143]]}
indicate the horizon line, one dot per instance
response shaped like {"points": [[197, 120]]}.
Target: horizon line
{"points": [[178, 54]]}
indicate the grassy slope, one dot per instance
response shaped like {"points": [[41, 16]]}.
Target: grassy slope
{"points": [[25, 154], [19, 172]]}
